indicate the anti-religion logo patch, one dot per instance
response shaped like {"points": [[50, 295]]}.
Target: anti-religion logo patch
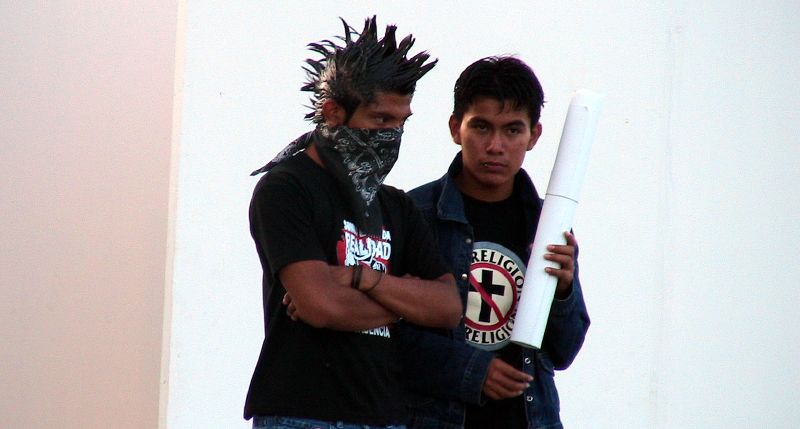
{"points": [[372, 251], [496, 278]]}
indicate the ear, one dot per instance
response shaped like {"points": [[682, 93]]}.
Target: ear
{"points": [[536, 132], [455, 129], [333, 113]]}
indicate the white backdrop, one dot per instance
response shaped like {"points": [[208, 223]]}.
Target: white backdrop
{"points": [[688, 221]]}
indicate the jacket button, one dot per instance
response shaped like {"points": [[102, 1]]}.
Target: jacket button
{"points": [[468, 241], [529, 398], [527, 361], [464, 276]]}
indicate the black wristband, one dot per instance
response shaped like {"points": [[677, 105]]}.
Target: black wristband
{"points": [[376, 283], [357, 276]]}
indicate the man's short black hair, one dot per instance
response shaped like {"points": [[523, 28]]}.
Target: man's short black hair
{"points": [[503, 78], [352, 73]]}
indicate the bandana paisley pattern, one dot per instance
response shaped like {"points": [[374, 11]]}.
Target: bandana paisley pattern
{"points": [[367, 155], [359, 160]]}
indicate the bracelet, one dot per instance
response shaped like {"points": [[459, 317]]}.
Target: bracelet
{"points": [[376, 283], [357, 276]]}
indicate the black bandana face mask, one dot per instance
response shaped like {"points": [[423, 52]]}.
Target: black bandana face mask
{"points": [[360, 159]]}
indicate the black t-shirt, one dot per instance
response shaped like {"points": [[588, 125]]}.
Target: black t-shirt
{"points": [[296, 214], [498, 227]]}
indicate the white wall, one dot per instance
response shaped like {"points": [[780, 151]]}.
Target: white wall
{"points": [[86, 92], [728, 304]]}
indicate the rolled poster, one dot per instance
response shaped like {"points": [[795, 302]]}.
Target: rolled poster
{"points": [[557, 215]]}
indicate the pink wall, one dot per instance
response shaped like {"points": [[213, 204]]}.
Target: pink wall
{"points": [[86, 99]]}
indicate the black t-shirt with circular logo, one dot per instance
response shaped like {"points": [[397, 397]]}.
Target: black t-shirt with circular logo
{"points": [[497, 275]]}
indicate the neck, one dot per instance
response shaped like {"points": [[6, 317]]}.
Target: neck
{"points": [[312, 153], [480, 192]]}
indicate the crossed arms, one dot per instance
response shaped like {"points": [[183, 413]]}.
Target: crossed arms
{"points": [[321, 295]]}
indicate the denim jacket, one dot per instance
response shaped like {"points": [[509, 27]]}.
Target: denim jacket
{"points": [[443, 372]]}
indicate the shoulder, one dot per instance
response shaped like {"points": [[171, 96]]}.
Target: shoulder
{"points": [[529, 193], [426, 196], [292, 175], [391, 191], [395, 199]]}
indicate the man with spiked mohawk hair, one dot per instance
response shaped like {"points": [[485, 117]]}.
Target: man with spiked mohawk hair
{"points": [[344, 256]]}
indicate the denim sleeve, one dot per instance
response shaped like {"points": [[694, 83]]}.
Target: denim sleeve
{"points": [[436, 365], [566, 326]]}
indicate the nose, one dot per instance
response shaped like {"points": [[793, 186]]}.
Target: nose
{"points": [[495, 143]]}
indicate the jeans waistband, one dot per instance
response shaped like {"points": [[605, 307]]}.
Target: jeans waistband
{"points": [[271, 422]]}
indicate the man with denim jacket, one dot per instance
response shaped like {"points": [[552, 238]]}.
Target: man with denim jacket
{"points": [[484, 212]]}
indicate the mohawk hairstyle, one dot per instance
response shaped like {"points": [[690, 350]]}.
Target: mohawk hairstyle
{"points": [[352, 73]]}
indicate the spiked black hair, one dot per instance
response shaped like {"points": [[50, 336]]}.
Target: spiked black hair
{"points": [[352, 73]]}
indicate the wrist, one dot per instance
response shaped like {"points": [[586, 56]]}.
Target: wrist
{"points": [[563, 291], [376, 283], [355, 283]]}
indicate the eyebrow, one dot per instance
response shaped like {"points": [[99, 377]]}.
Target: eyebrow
{"points": [[514, 123], [389, 114], [476, 119]]}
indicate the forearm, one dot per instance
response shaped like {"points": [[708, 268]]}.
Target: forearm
{"points": [[433, 303], [321, 296], [352, 310]]}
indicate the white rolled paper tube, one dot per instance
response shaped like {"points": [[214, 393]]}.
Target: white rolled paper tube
{"points": [[558, 212]]}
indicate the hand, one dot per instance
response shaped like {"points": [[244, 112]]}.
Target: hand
{"points": [[565, 256], [291, 310], [504, 381]]}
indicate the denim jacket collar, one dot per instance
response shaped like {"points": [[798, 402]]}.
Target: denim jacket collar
{"points": [[450, 205]]}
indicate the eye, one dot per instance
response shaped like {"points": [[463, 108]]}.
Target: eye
{"points": [[479, 126]]}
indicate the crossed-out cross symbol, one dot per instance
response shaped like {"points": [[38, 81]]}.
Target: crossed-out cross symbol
{"points": [[490, 289]]}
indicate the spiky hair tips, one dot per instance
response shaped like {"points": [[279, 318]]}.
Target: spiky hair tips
{"points": [[352, 71]]}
